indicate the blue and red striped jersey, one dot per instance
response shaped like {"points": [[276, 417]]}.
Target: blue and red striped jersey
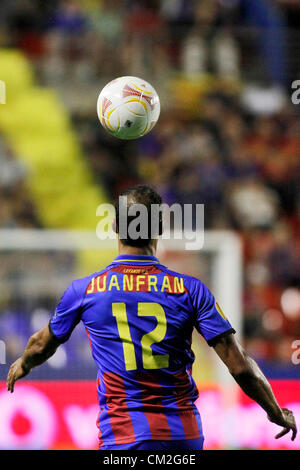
{"points": [[139, 317]]}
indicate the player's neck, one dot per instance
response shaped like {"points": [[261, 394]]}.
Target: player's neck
{"points": [[149, 250]]}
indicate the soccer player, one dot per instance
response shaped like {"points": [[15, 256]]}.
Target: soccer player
{"points": [[139, 317]]}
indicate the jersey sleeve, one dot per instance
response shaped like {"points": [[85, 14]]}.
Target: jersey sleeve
{"points": [[210, 319], [67, 314]]}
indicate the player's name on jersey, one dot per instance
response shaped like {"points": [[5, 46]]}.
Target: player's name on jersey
{"points": [[136, 283]]}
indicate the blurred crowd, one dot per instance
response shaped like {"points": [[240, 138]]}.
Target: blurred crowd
{"points": [[16, 206], [235, 147]]}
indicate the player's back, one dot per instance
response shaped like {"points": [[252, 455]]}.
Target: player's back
{"points": [[139, 317]]}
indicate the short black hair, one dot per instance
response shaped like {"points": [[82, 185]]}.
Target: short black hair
{"points": [[140, 194]]}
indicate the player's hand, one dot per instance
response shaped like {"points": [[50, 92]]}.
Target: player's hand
{"points": [[287, 421], [16, 372]]}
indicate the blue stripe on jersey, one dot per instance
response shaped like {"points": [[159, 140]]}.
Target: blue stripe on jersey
{"points": [[140, 316]]}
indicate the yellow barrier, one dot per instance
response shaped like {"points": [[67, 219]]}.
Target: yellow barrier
{"points": [[40, 133]]}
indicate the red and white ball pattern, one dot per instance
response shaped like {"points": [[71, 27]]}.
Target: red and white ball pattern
{"points": [[128, 107]]}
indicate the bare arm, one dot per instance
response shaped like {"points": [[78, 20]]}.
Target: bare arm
{"points": [[40, 347], [252, 381]]}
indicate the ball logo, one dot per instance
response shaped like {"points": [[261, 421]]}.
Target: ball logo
{"points": [[128, 91], [105, 119]]}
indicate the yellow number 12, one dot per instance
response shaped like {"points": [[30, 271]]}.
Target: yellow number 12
{"points": [[149, 309]]}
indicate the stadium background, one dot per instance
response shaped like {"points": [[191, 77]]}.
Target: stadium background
{"points": [[228, 137]]}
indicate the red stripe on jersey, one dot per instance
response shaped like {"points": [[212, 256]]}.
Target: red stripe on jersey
{"points": [[99, 433], [186, 411], [183, 391], [87, 332], [123, 268], [153, 406], [120, 420], [98, 419]]}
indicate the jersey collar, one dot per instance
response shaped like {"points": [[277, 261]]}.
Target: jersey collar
{"points": [[136, 259]]}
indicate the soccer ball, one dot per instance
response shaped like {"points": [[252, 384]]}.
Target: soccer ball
{"points": [[128, 107]]}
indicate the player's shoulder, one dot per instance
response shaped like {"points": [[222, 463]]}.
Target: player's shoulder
{"points": [[191, 282], [80, 285]]}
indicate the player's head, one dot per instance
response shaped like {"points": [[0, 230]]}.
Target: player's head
{"points": [[141, 207]]}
